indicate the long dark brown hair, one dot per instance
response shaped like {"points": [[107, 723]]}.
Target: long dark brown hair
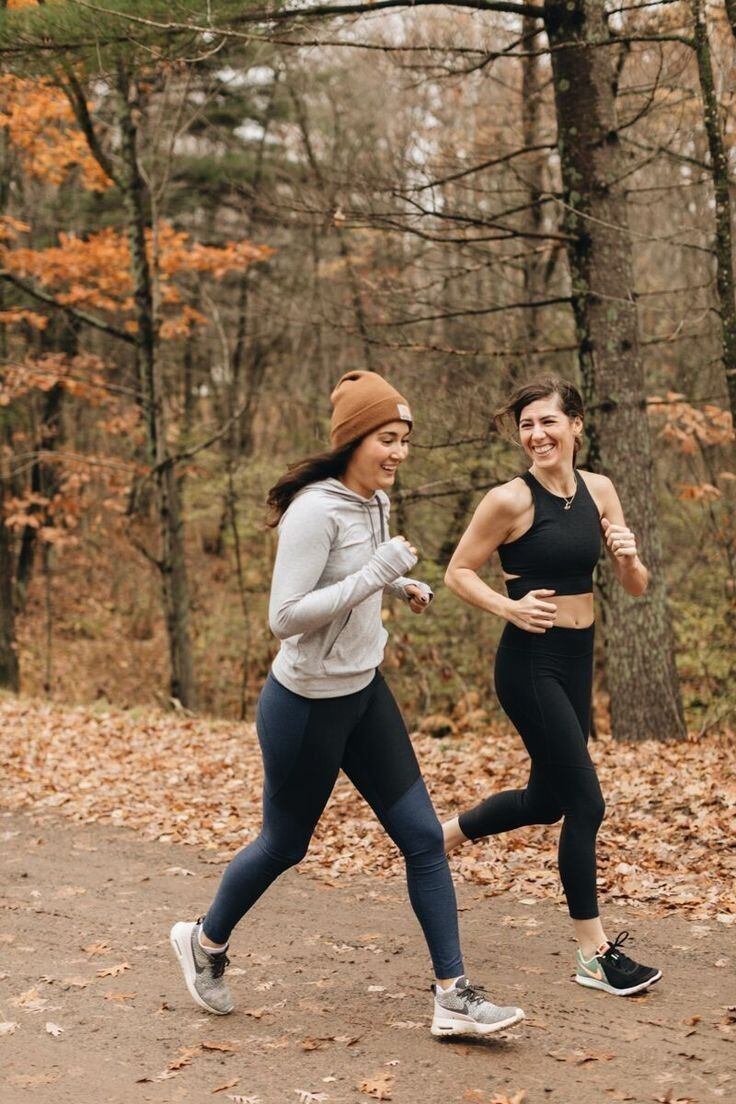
{"points": [[300, 474], [543, 387]]}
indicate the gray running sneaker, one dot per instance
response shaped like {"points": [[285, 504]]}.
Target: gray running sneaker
{"points": [[202, 972], [465, 1010]]}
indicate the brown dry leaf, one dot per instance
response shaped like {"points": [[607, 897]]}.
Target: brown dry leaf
{"points": [[670, 1098], [226, 1048], [30, 1000], [111, 996], [186, 1057], [32, 1080], [114, 971], [580, 1057], [226, 1085], [316, 1044], [379, 1086], [75, 982], [100, 948]]}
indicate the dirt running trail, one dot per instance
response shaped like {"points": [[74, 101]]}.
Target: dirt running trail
{"points": [[331, 984]]}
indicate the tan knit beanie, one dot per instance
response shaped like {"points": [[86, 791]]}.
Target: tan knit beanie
{"points": [[362, 402]]}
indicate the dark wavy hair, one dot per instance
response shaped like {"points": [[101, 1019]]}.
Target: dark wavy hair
{"points": [[300, 474], [543, 387]]}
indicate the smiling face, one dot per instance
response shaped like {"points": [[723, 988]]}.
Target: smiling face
{"points": [[547, 434], [373, 465]]}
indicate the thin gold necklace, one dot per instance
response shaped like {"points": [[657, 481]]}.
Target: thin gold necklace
{"points": [[565, 498]]}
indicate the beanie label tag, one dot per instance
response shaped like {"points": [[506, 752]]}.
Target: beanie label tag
{"points": [[404, 412]]}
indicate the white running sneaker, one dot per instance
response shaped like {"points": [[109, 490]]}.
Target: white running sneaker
{"points": [[202, 971], [464, 1010]]}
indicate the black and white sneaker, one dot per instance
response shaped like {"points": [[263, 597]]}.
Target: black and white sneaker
{"points": [[463, 1009], [203, 972], [614, 972]]}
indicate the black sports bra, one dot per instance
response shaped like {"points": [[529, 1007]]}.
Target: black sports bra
{"points": [[560, 548]]}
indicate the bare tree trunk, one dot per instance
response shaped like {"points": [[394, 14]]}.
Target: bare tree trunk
{"points": [[9, 666], [172, 562], [531, 101], [731, 12], [723, 214], [640, 660], [60, 336]]}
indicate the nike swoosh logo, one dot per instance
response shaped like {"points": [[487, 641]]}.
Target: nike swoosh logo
{"points": [[597, 974]]}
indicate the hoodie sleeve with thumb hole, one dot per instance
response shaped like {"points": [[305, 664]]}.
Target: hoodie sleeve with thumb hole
{"points": [[305, 539]]}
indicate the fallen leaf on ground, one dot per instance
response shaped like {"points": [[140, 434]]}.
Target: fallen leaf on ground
{"points": [[379, 1086], [114, 971], [30, 1000], [111, 996], [580, 1057], [226, 1085], [226, 1048], [310, 1097], [75, 983], [54, 1029], [31, 1080], [186, 1056], [97, 948]]}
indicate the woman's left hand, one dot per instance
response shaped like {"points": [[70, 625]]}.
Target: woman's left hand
{"points": [[620, 541], [418, 599]]}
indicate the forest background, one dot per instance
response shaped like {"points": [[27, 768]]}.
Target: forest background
{"points": [[208, 213]]}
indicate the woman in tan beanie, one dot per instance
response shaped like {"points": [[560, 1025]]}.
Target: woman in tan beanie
{"points": [[325, 705]]}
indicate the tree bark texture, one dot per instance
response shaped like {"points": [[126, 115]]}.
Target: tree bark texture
{"points": [[9, 667], [639, 646], [723, 215]]}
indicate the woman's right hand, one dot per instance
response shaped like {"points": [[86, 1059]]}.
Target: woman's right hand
{"points": [[532, 613], [410, 546]]}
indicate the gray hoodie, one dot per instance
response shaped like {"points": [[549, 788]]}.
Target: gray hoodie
{"points": [[333, 563]]}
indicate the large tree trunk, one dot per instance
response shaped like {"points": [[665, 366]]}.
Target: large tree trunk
{"points": [[720, 174], [172, 562], [9, 667], [639, 646]]}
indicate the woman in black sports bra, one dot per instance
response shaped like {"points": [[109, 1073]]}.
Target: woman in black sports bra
{"points": [[546, 526]]}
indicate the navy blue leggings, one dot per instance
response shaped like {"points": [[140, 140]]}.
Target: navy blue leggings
{"points": [[544, 683], [304, 743]]}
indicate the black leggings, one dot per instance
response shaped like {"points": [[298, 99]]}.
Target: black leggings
{"points": [[544, 683], [305, 742]]}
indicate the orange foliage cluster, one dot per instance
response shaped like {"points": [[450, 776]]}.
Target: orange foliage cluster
{"points": [[94, 272], [82, 376], [42, 128], [690, 429]]}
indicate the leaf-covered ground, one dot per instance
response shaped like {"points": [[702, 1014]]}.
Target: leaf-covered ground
{"points": [[666, 843]]}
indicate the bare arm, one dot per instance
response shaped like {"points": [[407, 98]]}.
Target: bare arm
{"points": [[621, 542], [490, 526]]}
